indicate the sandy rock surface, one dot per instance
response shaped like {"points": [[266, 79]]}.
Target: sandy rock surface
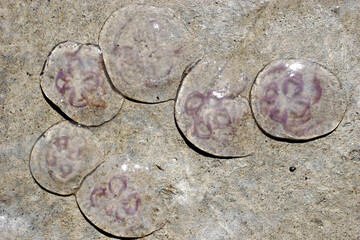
{"points": [[283, 190]]}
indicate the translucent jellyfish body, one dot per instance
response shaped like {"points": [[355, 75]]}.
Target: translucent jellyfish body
{"points": [[63, 155], [211, 112], [145, 51], [74, 80], [297, 99], [122, 199]]}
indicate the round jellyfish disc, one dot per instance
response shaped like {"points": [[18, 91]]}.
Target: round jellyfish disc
{"points": [[145, 50], [74, 80], [63, 155], [122, 199], [297, 99], [212, 114]]}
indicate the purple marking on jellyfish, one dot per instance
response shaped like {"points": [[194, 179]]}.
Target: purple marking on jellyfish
{"points": [[109, 210], [75, 153], [198, 98], [96, 192], [129, 210], [123, 187], [303, 101], [62, 142], [307, 117], [169, 70], [274, 115], [271, 88], [297, 122], [318, 89], [295, 79], [81, 150], [197, 124], [222, 113], [61, 75], [82, 102], [65, 169], [88, 77], [69, 64], [51, 159], [149, 84]]}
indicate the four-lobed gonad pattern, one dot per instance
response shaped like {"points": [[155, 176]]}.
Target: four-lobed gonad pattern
{"points": [[288, 103], [208, 112], [84, 86], [115, 199], [62, 155]]}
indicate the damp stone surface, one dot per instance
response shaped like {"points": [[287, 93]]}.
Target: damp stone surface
{"points": [[211, 112], [253, 197], [122, 198], [63, 155], [75, 81], [297, 99], [146, 49]]}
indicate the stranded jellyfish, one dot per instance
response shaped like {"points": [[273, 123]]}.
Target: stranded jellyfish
{"points": [[63, 155], [211, 112], [145, 51], [297, 99], [74, 80], [122, 198]]}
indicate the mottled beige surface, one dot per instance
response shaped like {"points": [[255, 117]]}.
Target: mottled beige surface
{"points": [[256, 197]]}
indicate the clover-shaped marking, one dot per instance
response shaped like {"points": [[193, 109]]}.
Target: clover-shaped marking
{"points": [[84, 86], [61, 155], [208, 113], [289, 104], [115, 198]]}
